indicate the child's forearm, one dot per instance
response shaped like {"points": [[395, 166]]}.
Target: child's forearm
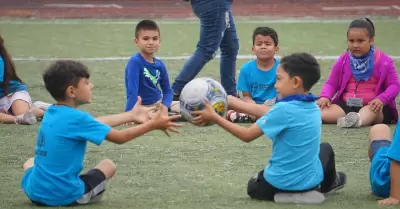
{"points": [[125, 135], [116, 119], [239, 105], [248, 99], [395, 180], [240, 132]]}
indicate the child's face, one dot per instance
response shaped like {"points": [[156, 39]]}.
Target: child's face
{"points": [[82, 92], [264, 47], [358, 41], [286, 85], [148, 41]]}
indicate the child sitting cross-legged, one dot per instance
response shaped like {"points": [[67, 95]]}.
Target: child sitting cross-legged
{"points": [[363, 84], [257, 77], [301, 169], [53, 177]]}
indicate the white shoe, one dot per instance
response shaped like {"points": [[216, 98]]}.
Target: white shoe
{"points": [[351, 120], [28, 118], [41, 105], [310, 197]]}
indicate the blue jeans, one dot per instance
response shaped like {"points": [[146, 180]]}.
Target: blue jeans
{"points": [[217, 30]]}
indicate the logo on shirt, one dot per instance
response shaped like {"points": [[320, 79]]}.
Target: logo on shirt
{"points": [[261, 86], [153, 78]]}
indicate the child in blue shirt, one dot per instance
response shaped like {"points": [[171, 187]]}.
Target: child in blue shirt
{"points": [[257, 77], [146, 76], [384, 154], [299, 163], [52, 177]]}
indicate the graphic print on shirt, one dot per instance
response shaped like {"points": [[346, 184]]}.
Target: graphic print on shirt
{"points": [[150, 76]]}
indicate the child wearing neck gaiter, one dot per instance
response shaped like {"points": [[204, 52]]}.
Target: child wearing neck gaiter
{"points": [[363, 84]]}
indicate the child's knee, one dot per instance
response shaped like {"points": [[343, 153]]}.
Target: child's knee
{"points": [[28, 164], [107, 167], [379, 132]]}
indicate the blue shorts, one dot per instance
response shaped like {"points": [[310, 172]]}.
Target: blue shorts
{"points": [[379, 174]]}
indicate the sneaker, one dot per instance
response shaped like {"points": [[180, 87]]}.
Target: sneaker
{"points": [[236, 117], [351, 120], [340, 182], [28, 118], [41, 105], [310, 197], [176, 97]]}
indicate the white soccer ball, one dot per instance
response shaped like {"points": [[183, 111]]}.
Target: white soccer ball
{"points": [[199, 89]]}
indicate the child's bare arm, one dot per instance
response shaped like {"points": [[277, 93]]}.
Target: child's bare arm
{"points": [[395, 180], [243, 133], [257, 110], [116, 119], [138, 114], [247, 98], [160, 122], [394, 198]]}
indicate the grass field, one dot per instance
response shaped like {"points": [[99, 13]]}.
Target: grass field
{"points": [[201, 167]]}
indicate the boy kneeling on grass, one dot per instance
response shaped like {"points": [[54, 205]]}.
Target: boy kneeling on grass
{"points": [[52, 177], [300, 167]]}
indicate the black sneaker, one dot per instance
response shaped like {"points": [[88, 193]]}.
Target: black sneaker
{"points": [[176, 97], [340, 182]]}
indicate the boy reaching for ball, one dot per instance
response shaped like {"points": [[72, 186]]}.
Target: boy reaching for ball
{"points": [[256, 79], [52, 177], [300, 167], [145, 75]]}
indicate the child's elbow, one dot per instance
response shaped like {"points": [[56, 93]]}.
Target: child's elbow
{"points": [[246, 137], [117, 137]]}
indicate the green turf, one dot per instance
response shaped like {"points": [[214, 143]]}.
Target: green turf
{"points": [[201, 167]]}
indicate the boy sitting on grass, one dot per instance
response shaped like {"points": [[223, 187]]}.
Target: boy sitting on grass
{"points": [[300, 167], [257, 77], [52, 177]]}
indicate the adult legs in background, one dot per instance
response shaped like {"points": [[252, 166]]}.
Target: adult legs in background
{"points": [[217, 30]]}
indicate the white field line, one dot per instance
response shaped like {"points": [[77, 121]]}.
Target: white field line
{"points": [[396, 7], [83, 6], [108, 59], [178, 22], [352, 8]]}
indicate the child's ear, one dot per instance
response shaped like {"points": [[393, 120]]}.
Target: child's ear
{"points": [[70, 92], [135, 40], [372, 40], [276, 49], [252, 50], [298, 82]]}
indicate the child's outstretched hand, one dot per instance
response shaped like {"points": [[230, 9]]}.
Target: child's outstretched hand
{"points": [[205, 115], [323, 102], [140, 112], [389, 201], [163, 122], [376, 105]]}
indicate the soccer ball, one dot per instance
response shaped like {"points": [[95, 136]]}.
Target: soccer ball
{"points": [[199, 89]]}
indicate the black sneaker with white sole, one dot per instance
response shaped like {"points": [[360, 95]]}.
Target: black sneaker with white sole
{"points": [[340, 182]]}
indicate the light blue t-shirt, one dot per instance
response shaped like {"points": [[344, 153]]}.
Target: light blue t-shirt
{"points": [[295, 130], [13, 86], [379, 174], [258, 83], [60, 149]]}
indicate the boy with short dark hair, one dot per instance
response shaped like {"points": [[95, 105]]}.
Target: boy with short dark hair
{"points": [[52, 177], [299, 163], [145, 75], [257, 77]]}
